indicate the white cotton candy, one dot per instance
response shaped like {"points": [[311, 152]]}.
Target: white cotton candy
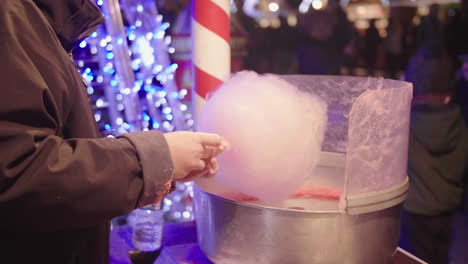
{"points": [[275, 132]]}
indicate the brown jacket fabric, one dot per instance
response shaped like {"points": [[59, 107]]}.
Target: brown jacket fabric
{"points": [[59, 183]]}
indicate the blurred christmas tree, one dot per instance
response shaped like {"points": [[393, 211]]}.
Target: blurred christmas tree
{"points": [[130, 81]]}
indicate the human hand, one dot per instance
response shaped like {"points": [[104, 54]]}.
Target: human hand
{"points": [[209, 171], [193, 154]]}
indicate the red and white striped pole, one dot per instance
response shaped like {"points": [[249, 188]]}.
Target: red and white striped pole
{"points": [[211, 51]]}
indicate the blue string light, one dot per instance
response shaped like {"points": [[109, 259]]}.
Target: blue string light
{"points": [[83, 44]]}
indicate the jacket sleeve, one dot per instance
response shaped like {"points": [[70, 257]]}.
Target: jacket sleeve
{"points": [[48, 183]]}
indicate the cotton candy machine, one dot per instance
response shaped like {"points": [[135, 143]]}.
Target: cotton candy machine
{"points": [[352, 211]]}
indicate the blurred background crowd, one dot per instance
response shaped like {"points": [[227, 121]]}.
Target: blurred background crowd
{"points": [[424, 42], [340, 37]]}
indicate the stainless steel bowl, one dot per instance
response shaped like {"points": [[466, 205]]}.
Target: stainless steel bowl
{"points": [[231, 232]]}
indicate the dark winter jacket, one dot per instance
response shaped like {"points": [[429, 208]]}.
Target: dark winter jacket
{"points": [[59, 183], [438, 161]]}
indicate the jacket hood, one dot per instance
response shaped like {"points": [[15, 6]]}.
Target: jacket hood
{"points": [[72, 20]]}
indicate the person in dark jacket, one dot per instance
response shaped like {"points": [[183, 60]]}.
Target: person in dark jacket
{"points": [[438, 151], [322, 36], [373, 41], [60, 184], [457, 38]]}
